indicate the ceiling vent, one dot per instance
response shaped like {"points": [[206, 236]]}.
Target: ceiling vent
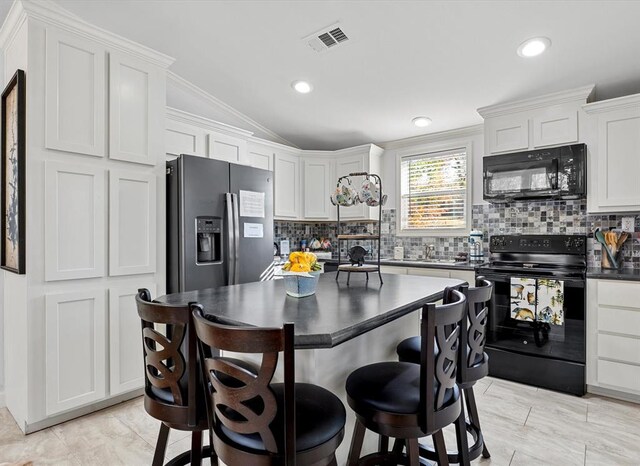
{"points": [[327, 38]]}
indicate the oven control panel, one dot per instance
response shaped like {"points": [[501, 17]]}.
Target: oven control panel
{"points": [[549, 244]]}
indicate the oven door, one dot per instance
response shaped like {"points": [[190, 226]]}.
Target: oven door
{"points": [[563, 342]]}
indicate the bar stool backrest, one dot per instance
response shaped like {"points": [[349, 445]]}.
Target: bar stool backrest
{"points": [[474, 365], [241, 400], [170, 354], [440, 326]]}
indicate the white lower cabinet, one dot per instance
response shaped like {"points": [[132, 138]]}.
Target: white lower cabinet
{"points": [[613, 336], [75, 338], [394, 270]]}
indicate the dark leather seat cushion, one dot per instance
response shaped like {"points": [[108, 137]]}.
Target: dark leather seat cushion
{"points": [[392, 387], [320, 416], [409, 351]]}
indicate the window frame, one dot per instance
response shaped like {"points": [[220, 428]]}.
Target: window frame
{"points": [[427, 149]]}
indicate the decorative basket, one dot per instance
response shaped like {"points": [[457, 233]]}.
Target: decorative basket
{"points": [[302, 284]]}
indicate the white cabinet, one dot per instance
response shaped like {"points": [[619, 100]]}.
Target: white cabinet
{"points": [[465, 275], [260, 156], [75, 335], [75, 94], [135, 109], [182, 138], [506, 134], [287, 194], [394, 270], [613, 337], [366, 158], [126, 372], [548, 120], [318, 181], [74, 210], [615, 155], [132, 223], [228, 148]]}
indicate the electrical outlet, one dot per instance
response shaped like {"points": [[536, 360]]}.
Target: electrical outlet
{"points": [[628, 224]]}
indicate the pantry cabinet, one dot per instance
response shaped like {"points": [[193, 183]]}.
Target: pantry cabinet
{"points": [[615, 155], [613, 338], [544, 121], [95, 128]]}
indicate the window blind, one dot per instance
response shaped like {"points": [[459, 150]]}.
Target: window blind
{"points": [[434, 190]]}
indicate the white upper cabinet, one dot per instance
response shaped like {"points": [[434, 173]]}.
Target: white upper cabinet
{"points": [[318, 181], [548, 120], [287, 194], [365, 158], [135, 106], [260, 155], [75, 94], [615, 155], [228, 148]]}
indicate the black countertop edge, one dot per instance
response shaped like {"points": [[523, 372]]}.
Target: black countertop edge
{"points": [[626, 273], [417, 263]]}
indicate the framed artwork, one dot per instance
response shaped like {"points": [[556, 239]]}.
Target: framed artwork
{"points": [[12, 188]]}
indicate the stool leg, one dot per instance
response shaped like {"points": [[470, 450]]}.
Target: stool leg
{"points": [[474, 419], [196, 447], [461, 440], [383, 443], [356, 443], [412, 452], [161, 445], [441, 449]]}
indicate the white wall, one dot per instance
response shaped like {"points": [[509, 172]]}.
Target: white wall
{"points": [[474, 135]]}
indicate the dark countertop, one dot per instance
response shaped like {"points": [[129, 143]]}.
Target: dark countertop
{"points": [[335, 314], [417, 263], [626, 273]]}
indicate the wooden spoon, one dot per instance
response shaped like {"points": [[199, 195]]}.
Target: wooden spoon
{"points": [[623, 237]]}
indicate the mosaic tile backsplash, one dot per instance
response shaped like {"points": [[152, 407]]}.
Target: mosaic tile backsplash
{"points": [[541, 217]]}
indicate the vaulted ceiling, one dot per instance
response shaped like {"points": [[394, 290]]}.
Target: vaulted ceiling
{"points": [[441, 59]]}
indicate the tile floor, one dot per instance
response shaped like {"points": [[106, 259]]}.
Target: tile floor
{"points": [[522, 426]]}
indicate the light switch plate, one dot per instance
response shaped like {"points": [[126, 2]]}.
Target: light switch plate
{"points": [[384, 228], [628, 224]]}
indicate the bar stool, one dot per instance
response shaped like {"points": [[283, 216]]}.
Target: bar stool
{"points": [[407, 401], [173, 393], [254, 421], [474, 365]]}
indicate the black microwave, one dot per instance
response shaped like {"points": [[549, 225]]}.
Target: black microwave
{"points": [[554, 173]]}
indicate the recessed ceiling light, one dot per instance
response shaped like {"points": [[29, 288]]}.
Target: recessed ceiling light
{"points": [[302, 87], [421, 122], [533, 47]]}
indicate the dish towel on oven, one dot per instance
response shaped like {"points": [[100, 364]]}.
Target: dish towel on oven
{"points": [[537, 299], [523, 298], [550, 296]]}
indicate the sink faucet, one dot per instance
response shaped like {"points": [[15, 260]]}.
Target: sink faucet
{"points": [[431, 252]]}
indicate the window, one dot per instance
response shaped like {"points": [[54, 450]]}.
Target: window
{"points": [[434, 191]]}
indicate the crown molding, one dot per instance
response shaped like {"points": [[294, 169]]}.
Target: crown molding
{"points": [[458, 133], [201, 93], [582, 94], [619, 103], [205, 123], [53, 14], [12, 23], [275, 145]]}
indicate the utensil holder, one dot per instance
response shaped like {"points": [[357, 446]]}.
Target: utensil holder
{"points": [[606, 263]]}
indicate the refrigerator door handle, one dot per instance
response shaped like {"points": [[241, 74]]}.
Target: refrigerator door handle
{"points": [[231, 263], [236, 236]]}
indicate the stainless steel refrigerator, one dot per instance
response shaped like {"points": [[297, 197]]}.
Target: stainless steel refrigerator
{"points": [[219, 224]]}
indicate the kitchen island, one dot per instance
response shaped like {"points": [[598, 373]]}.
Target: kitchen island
{"points": [[337, 330]]}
